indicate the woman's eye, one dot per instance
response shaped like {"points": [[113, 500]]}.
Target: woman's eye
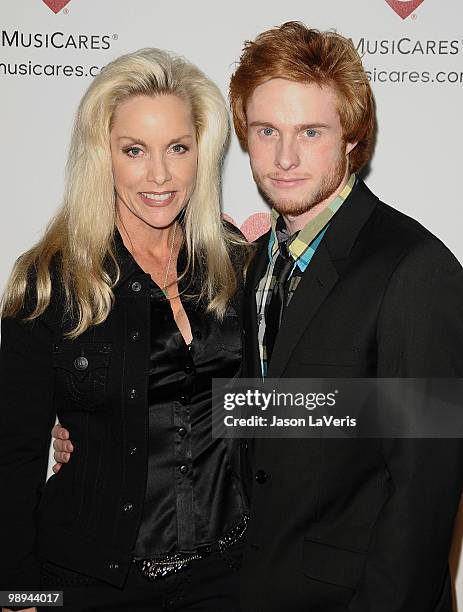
{"points": [[179, 148], [134, 151]]}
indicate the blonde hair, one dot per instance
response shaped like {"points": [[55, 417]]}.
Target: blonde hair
{"points": [[80, 236]]}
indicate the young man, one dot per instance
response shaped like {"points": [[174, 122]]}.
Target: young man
{"points": [[342, 286]]}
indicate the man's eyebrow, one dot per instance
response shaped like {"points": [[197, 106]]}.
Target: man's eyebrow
{"points": [[310, 126], [297, 128], [261, 124]]}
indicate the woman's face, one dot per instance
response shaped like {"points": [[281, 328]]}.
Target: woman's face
{"points": [[154, 157]]}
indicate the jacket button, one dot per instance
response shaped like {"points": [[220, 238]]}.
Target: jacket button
{"points": [[113, 565], [132, 450], [182, 432], [261, 476], [134, 335], [106, 348], [183, 399], [136, 286], [183, 469], [188, 369], [198, 335], [81, 363], [132, 393], [128, 507]]}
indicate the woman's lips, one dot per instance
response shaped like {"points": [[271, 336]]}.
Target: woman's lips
{"points": [[157, 199]]}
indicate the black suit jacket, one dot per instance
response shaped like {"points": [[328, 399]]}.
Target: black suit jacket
{"points": [[359, 525]]}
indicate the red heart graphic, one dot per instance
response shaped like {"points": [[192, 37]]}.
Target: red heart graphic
{"points": [[254, 226], [404, 8], [56, 5]]}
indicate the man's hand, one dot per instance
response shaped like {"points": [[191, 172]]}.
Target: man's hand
{"points": [[22, 610], [62, 446]]}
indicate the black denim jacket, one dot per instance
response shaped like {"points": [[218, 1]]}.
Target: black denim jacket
{"points": [[86, 517]]}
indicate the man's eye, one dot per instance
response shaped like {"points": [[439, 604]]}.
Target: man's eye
{"points": [[311, 133], [267, 131]]}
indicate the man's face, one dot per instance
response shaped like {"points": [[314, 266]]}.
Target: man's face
{"points": [[298, 155]]}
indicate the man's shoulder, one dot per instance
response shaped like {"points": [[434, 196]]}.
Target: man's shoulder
{"points": [[389, 221], [406, 240], [404, 227]]}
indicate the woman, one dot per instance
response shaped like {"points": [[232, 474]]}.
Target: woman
{"points": [[116, 321]]}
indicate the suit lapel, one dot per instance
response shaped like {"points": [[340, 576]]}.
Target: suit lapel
{"points": [[314, 286], [322, 273]]}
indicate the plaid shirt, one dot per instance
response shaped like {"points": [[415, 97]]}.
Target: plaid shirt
{"points": [[301, 247]]}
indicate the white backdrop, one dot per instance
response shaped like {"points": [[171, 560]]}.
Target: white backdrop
{"points": [[412, 48]]}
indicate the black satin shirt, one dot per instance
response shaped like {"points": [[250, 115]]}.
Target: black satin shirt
{"points": [[192, 495]]}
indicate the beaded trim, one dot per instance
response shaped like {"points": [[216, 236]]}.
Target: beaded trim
{"points": [[160, 567]]}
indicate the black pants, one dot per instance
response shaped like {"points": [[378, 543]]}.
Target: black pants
{"points": [[209, 584]]}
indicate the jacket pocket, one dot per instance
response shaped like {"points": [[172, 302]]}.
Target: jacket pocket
{"points": [[81, 375], [56, 576], [333, 565]]}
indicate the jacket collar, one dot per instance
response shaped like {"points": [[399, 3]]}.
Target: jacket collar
{"points": [[128, 267], [127, 264], [349, 221], [316, 282]]}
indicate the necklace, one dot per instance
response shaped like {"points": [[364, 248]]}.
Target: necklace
{"points": [[169, 261]]}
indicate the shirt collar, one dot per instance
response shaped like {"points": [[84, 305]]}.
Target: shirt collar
{"points": [[299, 243]]}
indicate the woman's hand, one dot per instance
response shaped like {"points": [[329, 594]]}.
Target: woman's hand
{"points": [[62, 445]]}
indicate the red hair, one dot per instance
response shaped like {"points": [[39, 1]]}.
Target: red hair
{"points": [[297, 53]]}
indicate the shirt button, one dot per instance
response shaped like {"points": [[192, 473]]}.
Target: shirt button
{"points": [[136, 286], [132, 393], [183, 469], [132, 450], [182, 432], [81, 363], [134, 335], [128, 507], [113, 565], [261, 476]]}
